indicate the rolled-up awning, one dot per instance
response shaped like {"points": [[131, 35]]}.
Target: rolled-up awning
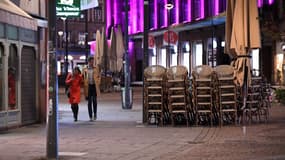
{"points": [[13, 15]]}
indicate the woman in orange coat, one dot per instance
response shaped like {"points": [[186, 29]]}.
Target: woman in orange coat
{"points": [[74, 82]]}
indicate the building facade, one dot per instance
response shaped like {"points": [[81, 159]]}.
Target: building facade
{"points": [[22, 62], [74, 33], [191, 33]]}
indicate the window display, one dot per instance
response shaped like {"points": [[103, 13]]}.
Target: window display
{"points": [[12, 80], [1, 78]]}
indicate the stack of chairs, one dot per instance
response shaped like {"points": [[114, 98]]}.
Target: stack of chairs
{"points": [[154, 87], [266, 99], [226, 95], [254, 99], [202, 94], [177, 93]]}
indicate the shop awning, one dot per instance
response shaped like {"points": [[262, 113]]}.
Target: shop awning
{"points": [[217, 20], [13, 15]]}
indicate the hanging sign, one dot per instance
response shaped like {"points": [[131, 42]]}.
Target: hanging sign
{"points": [[67, 8], [151, 41], [170, 38]]}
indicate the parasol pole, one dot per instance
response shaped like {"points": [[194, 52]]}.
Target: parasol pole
{"points": [[245, 80]]}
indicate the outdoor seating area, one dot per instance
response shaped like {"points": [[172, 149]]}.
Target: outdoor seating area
{"points": [[206, 97]]}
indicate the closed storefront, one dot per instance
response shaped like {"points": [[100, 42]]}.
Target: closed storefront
{"points": [[2, 108], [28, 98], [18, 67]]}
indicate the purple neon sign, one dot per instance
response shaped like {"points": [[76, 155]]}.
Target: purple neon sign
{"points": [[216, 7], [176, 11], [115, 8], [189, 18], [202, 9]]}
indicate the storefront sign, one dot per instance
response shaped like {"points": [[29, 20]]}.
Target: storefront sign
{"points": [[87, 4], [27, 35], [67, 8], [151, 41], [170, 37]]}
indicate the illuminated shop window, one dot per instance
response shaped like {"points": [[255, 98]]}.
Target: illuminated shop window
{"points": [[12, 77], [212, 52], [1, 78], [255, 62], [163, 57], [186, 56], [173, 53], [153, 57], [198, 54]]}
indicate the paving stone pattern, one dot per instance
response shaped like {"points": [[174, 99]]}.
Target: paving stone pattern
{"points": [[119, 135]]}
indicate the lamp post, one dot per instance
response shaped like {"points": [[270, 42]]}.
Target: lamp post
{"points": [[168, 6], [52, 122], [145, 49], [127, 97], [86, 36], [60, 34], [66, 45]]}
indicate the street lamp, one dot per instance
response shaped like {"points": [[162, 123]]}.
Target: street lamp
{"points": [[66, 44], [169, 6], [60, 34], [85, 17]]}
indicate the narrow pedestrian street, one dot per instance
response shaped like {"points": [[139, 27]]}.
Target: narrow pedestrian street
{"points": [[118, 134]]}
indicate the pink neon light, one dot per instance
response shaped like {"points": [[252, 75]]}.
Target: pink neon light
{"points": [[177, 11], [270, 1], [165, 14], [189, 17], [133, 16], [141, 16], [216, 7], [202, 9], [115, 12], [259, 3], [155, 13], [108, 14]]}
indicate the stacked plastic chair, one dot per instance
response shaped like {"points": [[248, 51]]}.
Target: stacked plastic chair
{"points": [[154, 86], [202, 94], [226, 98], [177, 93]]}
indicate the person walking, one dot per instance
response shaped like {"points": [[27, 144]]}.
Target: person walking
{"points": [[92, 78], [74, 82]]}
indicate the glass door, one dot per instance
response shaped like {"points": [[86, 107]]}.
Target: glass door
{"points": [[185, 56], [163, 57], [197, 54], [173, 56], [152, 56], [255, 62]]}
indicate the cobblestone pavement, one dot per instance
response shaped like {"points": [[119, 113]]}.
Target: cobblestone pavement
{"points": [[119, 135]]}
